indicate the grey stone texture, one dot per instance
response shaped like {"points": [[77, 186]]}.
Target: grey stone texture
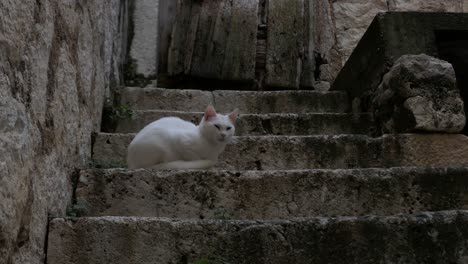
{"points": [[214, 39], [352, 18], [427, 237], [144, 42], [271, 195], [253, 102], [419, 93], [57, 62], [264, 124], [315, 152]]}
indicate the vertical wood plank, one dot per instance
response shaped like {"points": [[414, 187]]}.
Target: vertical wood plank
{"points": [[285, 43]]}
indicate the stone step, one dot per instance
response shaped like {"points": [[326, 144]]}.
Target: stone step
{"points": [[315, 152], [438, 237], [248, 102], [271, 194], [264, 124]]}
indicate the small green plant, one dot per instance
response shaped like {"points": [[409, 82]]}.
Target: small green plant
{"points": [[80, 208], [121, 112], [202, 261]]}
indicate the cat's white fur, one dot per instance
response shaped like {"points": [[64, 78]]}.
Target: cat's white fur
{"points": [[172, 143]]}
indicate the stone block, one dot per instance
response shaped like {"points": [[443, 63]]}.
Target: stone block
{"points": [[419, 93]]}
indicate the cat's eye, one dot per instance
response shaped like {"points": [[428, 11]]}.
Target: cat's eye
{"points": [[217, 126], [228, 128]]}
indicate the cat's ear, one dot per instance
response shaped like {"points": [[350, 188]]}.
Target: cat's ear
{"points": [[233, 116], [210, 113]]}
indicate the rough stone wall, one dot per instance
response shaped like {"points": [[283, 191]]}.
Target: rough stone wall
{"points": [[58, 59], [341, 23]]}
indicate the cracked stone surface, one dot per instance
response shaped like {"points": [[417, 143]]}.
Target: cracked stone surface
{"points": [[314, 152], [271, 194], [225, 101], [264, 124], [439, 237]]}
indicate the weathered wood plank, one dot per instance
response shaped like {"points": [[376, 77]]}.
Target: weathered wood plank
{"points": [[210, 45], [167, 9], [183, 37], [285, 43], [239, 60], [214, 39]]}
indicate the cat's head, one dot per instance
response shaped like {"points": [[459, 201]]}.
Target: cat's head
{"points": [[218, 128]]}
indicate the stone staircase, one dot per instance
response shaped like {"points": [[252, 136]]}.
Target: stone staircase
{"points": [[305, 182]]}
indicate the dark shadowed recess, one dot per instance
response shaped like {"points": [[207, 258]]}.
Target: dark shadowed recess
{"points": [[452, 46]]}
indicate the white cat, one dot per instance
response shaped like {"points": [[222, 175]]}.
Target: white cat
{"points": [[172, 143]]}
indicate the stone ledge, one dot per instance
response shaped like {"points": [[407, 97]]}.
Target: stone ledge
{"points": [[264, 102], [271, 194], [321, 151], [264, 124], [439, 237]]}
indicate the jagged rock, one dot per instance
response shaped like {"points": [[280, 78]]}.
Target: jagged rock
{"points": [[419, 93]]}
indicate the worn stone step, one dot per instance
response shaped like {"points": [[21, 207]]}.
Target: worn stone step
{"points": [[248, 102], [315, 152], [264, 124], [271, 194], [439, 237]]}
